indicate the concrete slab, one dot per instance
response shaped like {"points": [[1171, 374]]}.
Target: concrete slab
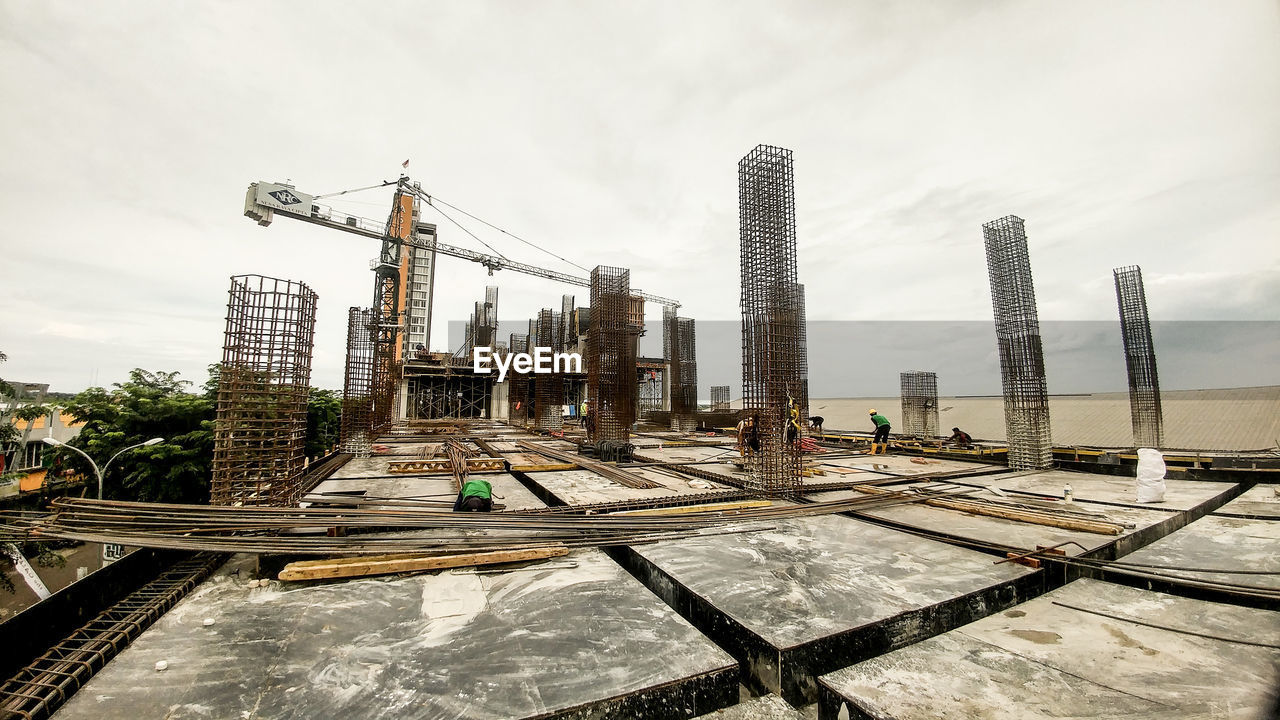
{"points": [[813, 594], [1110, 489], [571, 642], [1219, 542], [1045, 660], [1259, 501], [580, 487], [765, 707], [508, 491], [1148, 525], [901, 465]]}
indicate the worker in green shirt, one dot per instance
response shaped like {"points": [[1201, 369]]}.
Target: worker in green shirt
{"points": [[475, 496], [880, 441]]}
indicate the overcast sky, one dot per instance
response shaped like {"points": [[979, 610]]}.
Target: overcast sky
{"points": [[1123, 132]]}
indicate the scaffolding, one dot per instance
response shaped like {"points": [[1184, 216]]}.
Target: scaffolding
{"points": [[919, 403], [261, 426], [357, 384], [773, 339], [719, 397], [1013, 300], [548, 388], [611, 363], [1139, 358]]}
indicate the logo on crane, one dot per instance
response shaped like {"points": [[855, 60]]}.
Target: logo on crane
{"points": [[284, 197]]}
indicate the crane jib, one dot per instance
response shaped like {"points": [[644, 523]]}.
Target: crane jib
{"points": [[265, 199]]}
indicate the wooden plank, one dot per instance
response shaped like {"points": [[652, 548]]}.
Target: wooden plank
{"points": [[389, 564], [694, 509], [544, 467]]}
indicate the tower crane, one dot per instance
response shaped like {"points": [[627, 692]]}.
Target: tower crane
{"points": [[264, 200]]}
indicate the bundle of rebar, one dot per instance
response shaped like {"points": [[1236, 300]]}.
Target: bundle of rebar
{"points": [[611, 362], [1139, 358], [612, 472], [261, 424], [302, 530], [1013, 300], [774, 356], [357, 386], [919, 403]]}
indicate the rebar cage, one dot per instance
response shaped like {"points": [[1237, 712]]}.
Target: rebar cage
{"points": [[773, 338], [548, 388], [1013, 301], [357, 384], [680, 350], [611, 363], [919, 403], [261, 426], [518, 383], [1139, 358], [720, 397]]}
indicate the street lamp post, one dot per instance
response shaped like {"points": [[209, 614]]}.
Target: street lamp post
{"points": [[100, 473], [110, 551]]}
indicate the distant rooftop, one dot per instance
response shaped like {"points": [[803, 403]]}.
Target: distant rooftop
{"points": [[1217, 419]]}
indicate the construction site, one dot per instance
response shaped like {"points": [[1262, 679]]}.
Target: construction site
{"points": [[645, 555]]}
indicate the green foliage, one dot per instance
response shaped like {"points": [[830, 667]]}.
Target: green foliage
{"points": [[149, 404], [324, 421], [157, 404]]}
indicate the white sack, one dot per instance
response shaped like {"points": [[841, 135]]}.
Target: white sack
{"points": [[1150, 476]]}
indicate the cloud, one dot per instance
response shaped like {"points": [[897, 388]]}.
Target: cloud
{"points": [[1137, 132]]}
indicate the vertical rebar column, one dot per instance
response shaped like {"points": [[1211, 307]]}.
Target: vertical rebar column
{"points": [[772, 340], [687, 349], [1013, 299], [357, 385], [518, 383], [611, 364], [549, 387], [261, 426], [719, 397], [1139, 358], [919, 403]]}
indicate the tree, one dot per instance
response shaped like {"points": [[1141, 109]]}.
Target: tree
{"points": [[324, 421], [149, 404]]}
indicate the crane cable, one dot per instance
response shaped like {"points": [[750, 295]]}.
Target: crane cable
{"points": [[512, 235]]}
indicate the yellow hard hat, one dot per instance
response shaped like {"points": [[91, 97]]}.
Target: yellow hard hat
{"points": [[872, 411]]}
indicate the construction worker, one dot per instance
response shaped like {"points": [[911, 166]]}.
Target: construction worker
{"points": [[961, 438], [749, 434], [475, 496], [879, 441], [815, 423], [793, 422], [582, 413]]}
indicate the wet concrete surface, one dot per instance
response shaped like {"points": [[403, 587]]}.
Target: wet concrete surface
{"points": [[1048, 659]]}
